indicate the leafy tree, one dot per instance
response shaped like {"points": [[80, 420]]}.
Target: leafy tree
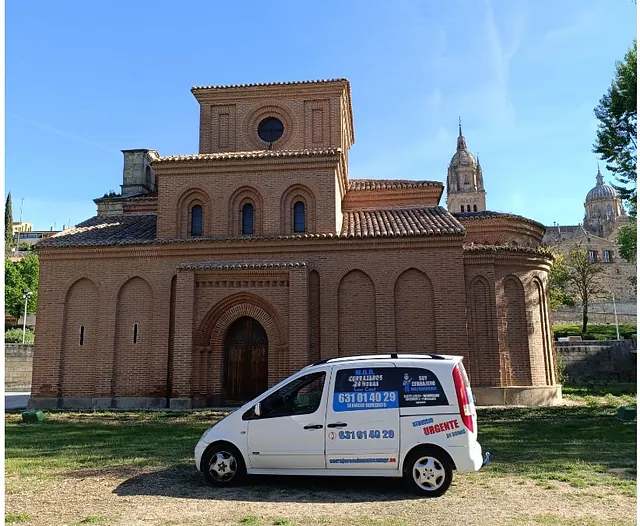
{"points": [[616, 135], [558, 276], [18, 276], [627, 238], [8, 226], [580, 278]]}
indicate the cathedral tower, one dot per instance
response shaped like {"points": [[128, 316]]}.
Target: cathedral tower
{"points": [[465, 186]]}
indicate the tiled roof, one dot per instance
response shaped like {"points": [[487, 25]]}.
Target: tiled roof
{"points": [[106, 230], [388, 184], [431, 221], [140, 229], [291, 83], [507, 248], [266, 265], [150, 196], [488, 214], [256, 154]]}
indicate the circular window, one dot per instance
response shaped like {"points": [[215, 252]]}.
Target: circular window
{"points": [[270, 129]]}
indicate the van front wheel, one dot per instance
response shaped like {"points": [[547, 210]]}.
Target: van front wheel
{"points": [[428, 472], [223, 465]]}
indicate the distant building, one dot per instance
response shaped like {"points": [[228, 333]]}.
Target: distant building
{"points": [[604, 216]]}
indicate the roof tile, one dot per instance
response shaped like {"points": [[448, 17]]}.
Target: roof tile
{"points": [[290, 83], [388, 184], [427, 221], [255, 154]]}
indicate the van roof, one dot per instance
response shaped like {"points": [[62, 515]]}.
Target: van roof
{"points": [[393, 356]]}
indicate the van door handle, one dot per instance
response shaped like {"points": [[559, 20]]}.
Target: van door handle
{"points": [[338, 424], [317, 426]]}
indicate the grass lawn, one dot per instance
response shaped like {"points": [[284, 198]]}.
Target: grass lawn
{"points": [[595, 332], [581, 446]]}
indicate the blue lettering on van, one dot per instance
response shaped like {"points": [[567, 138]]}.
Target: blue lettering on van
{"points": [[456, 433], [365, 400], [423, 422]]}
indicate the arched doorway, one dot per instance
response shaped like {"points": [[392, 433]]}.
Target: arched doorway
{"points": [[245, 360]]}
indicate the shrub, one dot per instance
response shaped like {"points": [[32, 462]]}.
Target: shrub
{"points": [[15, 336]]}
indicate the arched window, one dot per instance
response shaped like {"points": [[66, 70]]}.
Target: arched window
{"points": [[468, 208], [196, 220], [298, 218], [247, 219], [475, 208], [461, 208], [135, 333], [82, 335]]}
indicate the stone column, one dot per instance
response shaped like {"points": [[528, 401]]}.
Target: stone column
{"points": [[183, 341]]}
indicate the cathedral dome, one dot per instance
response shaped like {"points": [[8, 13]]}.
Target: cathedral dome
{"points": [[601, 190]]}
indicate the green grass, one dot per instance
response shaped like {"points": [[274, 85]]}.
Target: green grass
{"points": [[585, 446], [614, 395], [13, 518], [250, 520], [595, 332]]}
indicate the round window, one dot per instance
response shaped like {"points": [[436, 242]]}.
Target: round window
{"points": [[270, 129]]}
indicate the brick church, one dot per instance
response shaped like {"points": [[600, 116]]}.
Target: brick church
{"points": [[213, 276]]}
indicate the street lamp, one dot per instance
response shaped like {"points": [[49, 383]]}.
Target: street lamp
{"points": [[615, 316], [26, 294]]}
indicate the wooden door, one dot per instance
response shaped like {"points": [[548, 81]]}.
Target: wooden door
{"points": [[246, 353]]}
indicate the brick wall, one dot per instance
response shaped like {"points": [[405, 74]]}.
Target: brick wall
{"points": [[599, 361], [18, 364]]}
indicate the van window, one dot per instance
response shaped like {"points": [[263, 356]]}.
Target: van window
{"points": [[386, 388], [299, 397]]}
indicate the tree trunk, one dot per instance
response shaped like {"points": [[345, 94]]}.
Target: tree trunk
{"points": [[585, 318]]}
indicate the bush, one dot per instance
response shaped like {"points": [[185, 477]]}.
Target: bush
{"points": [[15, 336]]}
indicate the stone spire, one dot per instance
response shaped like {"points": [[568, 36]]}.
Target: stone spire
{"points": [[462, 143], [599, 178], [465, 184]]}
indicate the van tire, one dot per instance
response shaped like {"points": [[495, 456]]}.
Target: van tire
{"points": [[427, 472], [223, 465]]}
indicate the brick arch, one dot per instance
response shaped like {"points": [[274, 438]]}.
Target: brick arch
{"points": [[516, 363], [414, 312], [485, 356], [541, 311], [356, 314], [243, 195], [77, 362], [208, 350], [134, 307], [190, 198], [293, 194]]}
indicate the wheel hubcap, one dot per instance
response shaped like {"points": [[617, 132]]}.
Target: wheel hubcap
{"points": [[429, 473], [223, 466]]}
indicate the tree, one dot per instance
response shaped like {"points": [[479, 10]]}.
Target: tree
{"points": [[580, 278], [8, 226], [616, 135], [558, 296], [20, 275]]}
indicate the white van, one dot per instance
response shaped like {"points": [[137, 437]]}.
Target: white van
{"points": [[396, 415]]}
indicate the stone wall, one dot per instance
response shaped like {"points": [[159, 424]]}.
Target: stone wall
{"points": [[600, 361], [601, 313], [18, 364]]}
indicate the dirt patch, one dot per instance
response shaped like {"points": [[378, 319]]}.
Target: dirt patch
{"points": [[179, 496]]}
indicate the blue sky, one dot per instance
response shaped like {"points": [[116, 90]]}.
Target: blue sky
{"points": [[85, 80]]}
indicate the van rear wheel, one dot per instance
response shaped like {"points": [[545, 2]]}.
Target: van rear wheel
{"points": [[223, 465], [428, 472]]}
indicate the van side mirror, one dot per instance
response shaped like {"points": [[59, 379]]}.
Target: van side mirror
{"points": [[257, 410]]}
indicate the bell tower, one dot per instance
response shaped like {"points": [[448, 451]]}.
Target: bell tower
{"points": [[465, 184]]}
